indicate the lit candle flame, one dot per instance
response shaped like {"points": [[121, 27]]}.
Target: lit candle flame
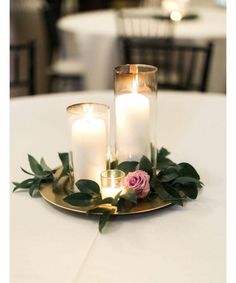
{"points": [[134, 70]]}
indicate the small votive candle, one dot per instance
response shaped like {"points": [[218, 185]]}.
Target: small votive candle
{"points": [[112, 182]]}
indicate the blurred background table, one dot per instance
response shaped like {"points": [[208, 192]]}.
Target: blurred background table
{"points": [[177, 244], [91, 39], [75, 43]]}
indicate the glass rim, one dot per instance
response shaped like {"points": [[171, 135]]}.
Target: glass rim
{"points": [[152, 69], [122, 174], [74, 107]]}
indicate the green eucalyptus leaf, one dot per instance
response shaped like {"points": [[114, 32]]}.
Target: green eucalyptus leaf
{"points": [[154, 181], [26, 184], [47, 175], [35, 166], [165, 196], [165, 164], [79, 199], [27, 172], [130, 196], [128, 166], [186, 180], [146, 165], [64, 157], [124, 205], [126, 201], [173, 191], [162, 161], [190, 190], [168, 174], [34, 187], [162, 153], [185, 169], [116, 198], [104, 218], [44, 165], [88, 186]]}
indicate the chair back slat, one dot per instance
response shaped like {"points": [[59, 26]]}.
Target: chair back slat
{"points": [[176, 62], [191, 68], [17, 53], [132, 24], [31, 69], [16, 60], [180, 66], [206, 67]]}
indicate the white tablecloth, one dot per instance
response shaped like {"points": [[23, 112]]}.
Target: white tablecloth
{"points": [[180, 245], [91, 39]]}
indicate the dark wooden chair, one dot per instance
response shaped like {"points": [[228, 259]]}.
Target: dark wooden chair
{"points": [[64, 74], [22, 64], [180, 66], [51, 13]]}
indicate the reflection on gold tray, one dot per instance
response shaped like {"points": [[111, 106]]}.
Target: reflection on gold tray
{"points": [[57, 200]]}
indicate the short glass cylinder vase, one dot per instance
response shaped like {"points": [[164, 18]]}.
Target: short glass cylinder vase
{"points": [[112, 182], [89, 125], [136, 109]]}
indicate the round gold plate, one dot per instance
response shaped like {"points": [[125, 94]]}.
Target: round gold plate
{"points": [[57, 200]]}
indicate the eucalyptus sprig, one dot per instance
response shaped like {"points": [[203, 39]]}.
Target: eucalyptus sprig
{"points": [[172, 183], [90, 196], [42, 173]]}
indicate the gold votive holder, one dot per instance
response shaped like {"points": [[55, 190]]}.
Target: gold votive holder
{"points": [[112, 182]]}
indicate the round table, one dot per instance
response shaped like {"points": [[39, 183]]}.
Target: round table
{"points": [[172, 245], [91, 39]]}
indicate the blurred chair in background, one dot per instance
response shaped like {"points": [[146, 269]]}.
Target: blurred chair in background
{"points": [[22, 65], [64, 74], [181, 67], [137, 23], [51, 14]]}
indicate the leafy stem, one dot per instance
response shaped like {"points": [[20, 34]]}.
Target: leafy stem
{"points": [[174, 183], [42, 173]]}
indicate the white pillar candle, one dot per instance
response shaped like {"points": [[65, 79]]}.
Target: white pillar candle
{"points": [[132, 125], [89, 148]]}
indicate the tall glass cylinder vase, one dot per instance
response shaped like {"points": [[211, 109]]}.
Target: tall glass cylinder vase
{"points": [[136, 106], [89, 125]]}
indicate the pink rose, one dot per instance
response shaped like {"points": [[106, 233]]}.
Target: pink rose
{"points": [[139, 182]]}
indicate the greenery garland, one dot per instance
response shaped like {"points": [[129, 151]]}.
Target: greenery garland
{"points": [[172, 183]]}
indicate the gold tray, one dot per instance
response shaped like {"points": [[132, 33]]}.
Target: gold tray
{"points": [[57, 200]]}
